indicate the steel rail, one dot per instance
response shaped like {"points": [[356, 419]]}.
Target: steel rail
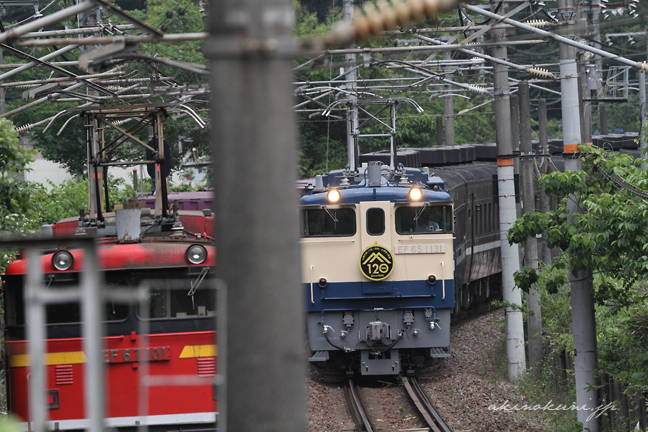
{"points": [[422, 403], [355, 405]]}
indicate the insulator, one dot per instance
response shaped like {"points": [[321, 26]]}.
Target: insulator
{"points": [[24, 128], [538, 23], [386, 17], [477, 89], [542, 73], [642, 66]]}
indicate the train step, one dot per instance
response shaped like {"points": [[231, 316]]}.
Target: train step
{"points": [[319, 356], [439, 353]]}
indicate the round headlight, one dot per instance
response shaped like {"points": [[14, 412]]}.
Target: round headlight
{"points": [[196, 254], [322, 283], [431, 279], [62, 260], [334, 195], [415, 194]]}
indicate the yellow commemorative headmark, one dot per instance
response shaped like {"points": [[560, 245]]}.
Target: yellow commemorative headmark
{"points": [[376, 263]]}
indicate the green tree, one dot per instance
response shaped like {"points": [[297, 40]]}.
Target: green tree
{"points": [[609, 235], [14, 197]]}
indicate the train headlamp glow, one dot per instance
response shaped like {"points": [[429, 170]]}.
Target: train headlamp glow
{"points": [[196, 254], [415, 194], [333, 195], [62, 260]]}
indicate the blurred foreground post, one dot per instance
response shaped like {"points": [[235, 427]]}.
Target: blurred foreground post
{"points": [[260, 340]]}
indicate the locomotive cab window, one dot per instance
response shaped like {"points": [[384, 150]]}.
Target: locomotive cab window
{"points": [[327, 222], [375, 221], [179, 298], [430, 219], [58, 313]]}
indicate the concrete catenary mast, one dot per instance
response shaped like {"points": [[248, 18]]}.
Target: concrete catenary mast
{"points": [[352, 107], [583, 321], [505, 177], [527, 180]]}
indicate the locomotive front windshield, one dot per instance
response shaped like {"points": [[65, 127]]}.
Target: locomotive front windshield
{"points": [[428, 219], [327, 222], [179, 298], [168, 298]]}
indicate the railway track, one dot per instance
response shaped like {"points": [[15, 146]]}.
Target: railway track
{"points": [[434, 421], [418, 396], [356, 408]]}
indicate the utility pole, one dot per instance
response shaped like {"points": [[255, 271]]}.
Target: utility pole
{"points": [[261, 371], [643, 142], [352, 106], [448, 107], [3, 108], [545, 206], [642, 115], [515, 120], [515, 133], [534, 320], [583, 320], [439, 130], [602, 119], [505, 177], [584, 106]]}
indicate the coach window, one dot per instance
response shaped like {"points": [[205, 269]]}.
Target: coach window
{"points": [[375, 221], [328, 222]]}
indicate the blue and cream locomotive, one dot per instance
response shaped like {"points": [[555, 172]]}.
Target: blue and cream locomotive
{"points": [[378, 268]]}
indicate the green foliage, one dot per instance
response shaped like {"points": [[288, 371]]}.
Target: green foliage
{"points": [[525, 278], [307, 24], [62, 201], [609, 233], [14, 198]]}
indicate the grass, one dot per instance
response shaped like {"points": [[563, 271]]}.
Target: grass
{"points": [[540, 390], [548, 388]]}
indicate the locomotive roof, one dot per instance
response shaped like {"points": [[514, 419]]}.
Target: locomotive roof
{"points": [[356, 195]]}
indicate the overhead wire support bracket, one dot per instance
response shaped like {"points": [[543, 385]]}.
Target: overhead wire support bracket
{"points": [[60, 70], [131, 19], [17, 32], [490, 25]]}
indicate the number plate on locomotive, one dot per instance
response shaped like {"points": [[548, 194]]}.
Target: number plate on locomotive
{"points": [[131, 355], [419, 249]]}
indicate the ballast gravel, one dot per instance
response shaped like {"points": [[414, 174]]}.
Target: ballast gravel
{"points": [[469, 390]]}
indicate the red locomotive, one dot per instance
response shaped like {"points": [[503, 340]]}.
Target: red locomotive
{"points": [[172, 256]]}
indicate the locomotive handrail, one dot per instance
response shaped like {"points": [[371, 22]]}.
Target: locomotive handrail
{"points": [[311, 285], [443, 280]]}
